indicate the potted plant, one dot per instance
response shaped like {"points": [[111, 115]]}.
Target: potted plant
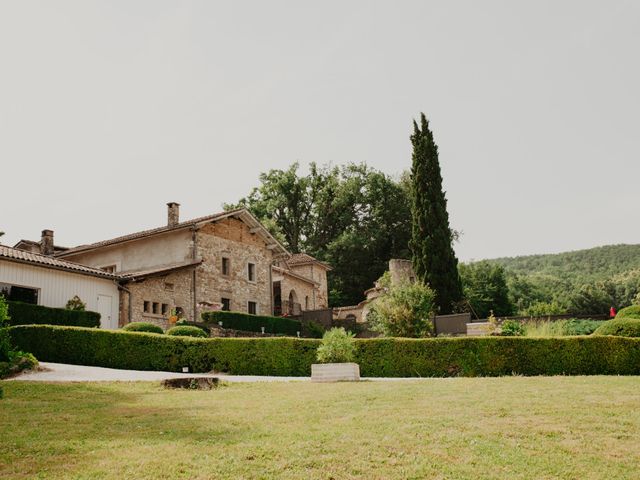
{"points": [[336, 354]]}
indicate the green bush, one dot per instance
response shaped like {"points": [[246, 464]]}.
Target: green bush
{"points": [[630, 312], [378, 357], [561, 328], [253, 323], [5, 345], [313, 330], [142, 327], [405, 311], [28, 314], [621, 327], [512, 328], [578, 326], [336, 347], [187, 331], [200, 325], [16, 363]]}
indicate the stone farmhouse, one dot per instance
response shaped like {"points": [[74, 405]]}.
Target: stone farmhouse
{"points": [[225, 261]]}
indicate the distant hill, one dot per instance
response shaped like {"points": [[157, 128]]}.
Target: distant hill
{"points": [[582, 281], [582, 266]]}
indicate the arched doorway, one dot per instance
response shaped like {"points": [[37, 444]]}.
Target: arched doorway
{"points": [[294, 306]]}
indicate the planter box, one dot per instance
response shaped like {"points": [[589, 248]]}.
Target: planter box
{"points": [[335, 372]]}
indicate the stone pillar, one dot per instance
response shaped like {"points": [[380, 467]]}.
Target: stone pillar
{"points": [[173, 214], [46, 242]]}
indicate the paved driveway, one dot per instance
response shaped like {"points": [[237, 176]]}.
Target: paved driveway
{"points": [[60, 372]]}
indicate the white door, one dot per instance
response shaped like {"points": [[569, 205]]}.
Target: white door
{"points": [[105, 304]]}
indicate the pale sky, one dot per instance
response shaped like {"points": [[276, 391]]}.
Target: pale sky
{"points": [[110, 109]]}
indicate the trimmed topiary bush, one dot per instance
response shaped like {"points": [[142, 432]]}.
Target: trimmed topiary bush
{"points": [[623, 327], [629, 312], [377, 357], [187, 331], [253, 323], [28, 314], [142, 327]]}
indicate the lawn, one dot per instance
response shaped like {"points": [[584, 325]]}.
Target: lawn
{"points": [[508, 428]]}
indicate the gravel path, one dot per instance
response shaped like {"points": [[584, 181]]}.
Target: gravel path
{"points": [[61, 372]]}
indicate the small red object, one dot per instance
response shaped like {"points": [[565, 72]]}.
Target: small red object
{"points": [[612, 313]]}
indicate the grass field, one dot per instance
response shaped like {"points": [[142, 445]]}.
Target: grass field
{"points": [[471, 428]]}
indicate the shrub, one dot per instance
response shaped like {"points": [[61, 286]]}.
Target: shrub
{"points": [[16, 363], [336, 347], [187, 331], [313, 330], [253, 323], [142, 327], [576, 326], [379, 357], [512, 328], [543, 309], [630, 312], [5, 345], [621, 327], [76, 304], [28, 314], [200, 325], [404, 311]]}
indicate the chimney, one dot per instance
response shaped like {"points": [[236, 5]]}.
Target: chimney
{"points": [[173, 214], [46, 242]]}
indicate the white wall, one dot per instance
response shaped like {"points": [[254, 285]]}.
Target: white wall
{"points": [[149, 252], [56, 287]]}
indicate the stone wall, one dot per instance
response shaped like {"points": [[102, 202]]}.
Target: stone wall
{"points": [[231, 238], [173, 290], [401, 271], [318, 274]]}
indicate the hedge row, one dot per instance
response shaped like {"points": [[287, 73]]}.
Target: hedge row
{"points": [[28, 314], [253, 323], [437, 357]]}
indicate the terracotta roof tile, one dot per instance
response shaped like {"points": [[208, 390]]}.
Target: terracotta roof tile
{"points": [[303, 259], [22, 256]]}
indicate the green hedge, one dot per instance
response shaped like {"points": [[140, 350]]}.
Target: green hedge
{"points": [[187, 331], [253, 323], [148, 351], [629, 312], [436, 357], [622, 327], [143, 327], [28, 314]]}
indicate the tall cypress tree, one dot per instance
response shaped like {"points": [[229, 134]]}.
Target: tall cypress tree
{"points": [[434, 260]]}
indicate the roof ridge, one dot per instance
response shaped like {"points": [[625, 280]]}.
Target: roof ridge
{"points": [[16, 254], [144, 233]]}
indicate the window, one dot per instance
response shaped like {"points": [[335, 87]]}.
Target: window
{"points": [[306, 302], [165, 309], [252, 308], [156, 308], [15, 293], [251, 272], [226, 270], [226, 304], [109, 268], [168, 286], [147, 306]]}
